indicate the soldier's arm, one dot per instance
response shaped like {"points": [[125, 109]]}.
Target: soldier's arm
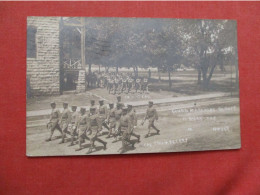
{"points": [[69, 116], [129, 125], [106, 112], [135, 119], [145, 117], [155, 114], [58, 114]]}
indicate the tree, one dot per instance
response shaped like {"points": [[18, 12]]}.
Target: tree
{"points": [[206, 42]]}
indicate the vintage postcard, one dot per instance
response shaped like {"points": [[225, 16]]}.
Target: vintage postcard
{"points": [[131, 85]]}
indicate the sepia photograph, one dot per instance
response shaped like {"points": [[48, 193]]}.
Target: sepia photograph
{"points": [[104, 85]]}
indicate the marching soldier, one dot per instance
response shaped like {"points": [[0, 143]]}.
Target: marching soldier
{"points": [[82, 125], [73, 124], [110, 85], [130, 84], [145, 85], [124, 84], [132, 115], [118, 99], [151, 115], [118, 113], [64, 121], [111, 119], [92, 104], [116, 84], [102, 112], [54, 121], [137, 84], [125, 127], [93, 128]]}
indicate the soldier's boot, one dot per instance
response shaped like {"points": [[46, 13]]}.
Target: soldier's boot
{"points": [[62, 139], [103, 142], [138, 138], [72, 141], [80, 146], [109, 134], [47, 140], [92, 146], [148, 134], [156, 129], [106, 126]]}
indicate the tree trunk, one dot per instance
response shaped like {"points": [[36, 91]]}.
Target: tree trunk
{"points": [[136, 71], [89, 68], [159, 74], [205, 80], [211, 73], [170, 81], [99, 68], [199, 76]]}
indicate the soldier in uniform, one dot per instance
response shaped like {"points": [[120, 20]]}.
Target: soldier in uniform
{"points": [[151, 115], [130, 84], [73, 124], [110, 84], [93, 128], [54, 121], [132, 115], [102, 112], [111, 119], [125, 127], [116, 84], [82, 125], [124, 84], [118, 99], [137, 84], [92, 104], [118, 113], [145, 85], [64, 121]]}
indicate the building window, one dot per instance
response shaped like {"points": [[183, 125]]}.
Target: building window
{"points": [[31, 42]]}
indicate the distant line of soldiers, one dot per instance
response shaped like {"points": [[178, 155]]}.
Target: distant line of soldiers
{"points": [[117, 83], [120, 122]]}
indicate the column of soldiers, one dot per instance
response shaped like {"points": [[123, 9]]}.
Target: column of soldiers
{"points": [[117, 83], [120, 122]]}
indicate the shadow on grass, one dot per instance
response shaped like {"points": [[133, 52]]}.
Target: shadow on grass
{"points": [[191, 88]]}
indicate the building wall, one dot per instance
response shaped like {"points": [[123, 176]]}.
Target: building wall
{"points": [[43, 71]]}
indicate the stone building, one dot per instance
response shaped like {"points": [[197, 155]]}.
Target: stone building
{"points": [[43, 55], [54, 56]]}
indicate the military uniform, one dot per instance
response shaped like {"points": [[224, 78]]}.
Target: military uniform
{"points": [[137, 84], [125, 127], [111, 118], [102, 115], [72, 127], [151, 115], [130, 84], [82, 125], [116, 84], [64, 122], [54, 122], [133, 119], [124, 85], [93, 128], [145, 84]]}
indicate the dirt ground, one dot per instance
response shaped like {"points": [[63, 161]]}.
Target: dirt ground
{"points": [[211, 127]]}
